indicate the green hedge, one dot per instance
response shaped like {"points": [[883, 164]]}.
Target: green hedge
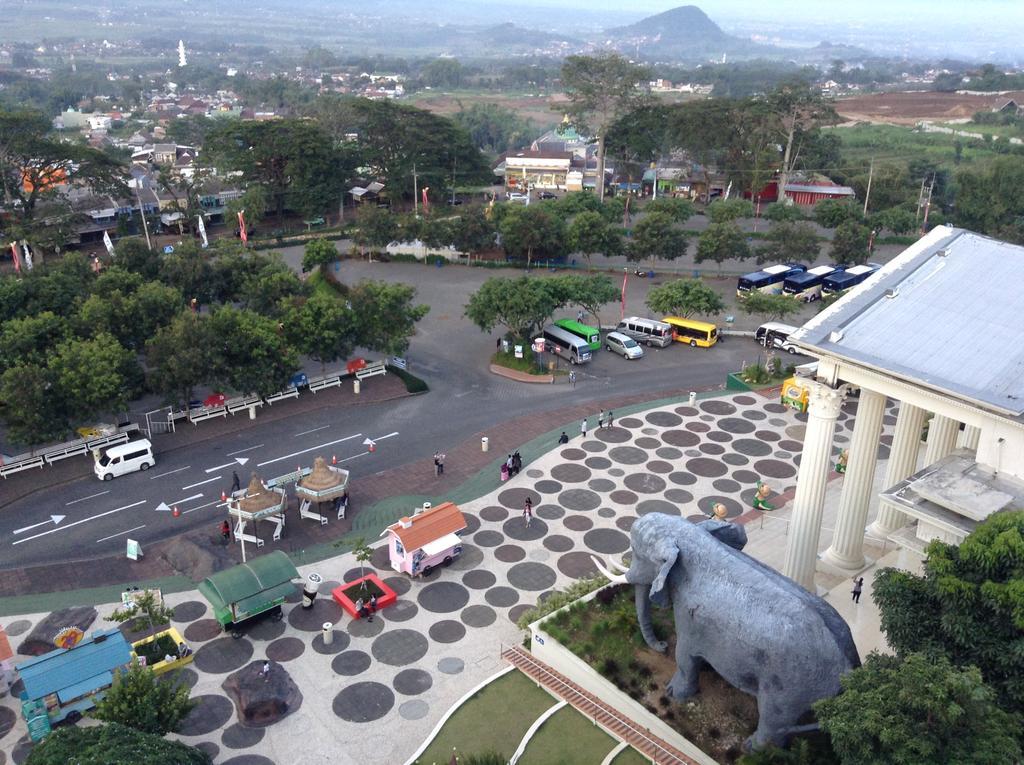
{"points": [[413, 384]]}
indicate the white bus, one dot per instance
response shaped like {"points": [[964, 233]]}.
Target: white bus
{"points": [[768, 280], [807, 286], [566, 345]]}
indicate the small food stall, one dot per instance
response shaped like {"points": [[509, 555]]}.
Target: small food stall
{"points": [[250, 589], [428, 539], [795, 393], [325, 483], [257, 503]]}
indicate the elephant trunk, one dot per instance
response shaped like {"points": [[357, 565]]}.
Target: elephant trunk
{"points": [[641, 594]]}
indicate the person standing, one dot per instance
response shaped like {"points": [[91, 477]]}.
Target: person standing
{"points": [[600, 419], [858, 587], [579, 316], [517, 462], [440, 463], [608, 418], [373, 607], [583, 427], [236, 482], [359, 607], [437, 464], [564, 438], [225, 532], [572, 378], [528, 511]]}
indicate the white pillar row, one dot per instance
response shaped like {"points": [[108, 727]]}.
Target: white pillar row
{"points": [[971, 437], [942, 433], [906, 445], [847, 548], [809, 503]]}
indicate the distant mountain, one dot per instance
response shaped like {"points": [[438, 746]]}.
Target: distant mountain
{"points": [[684, 33]]}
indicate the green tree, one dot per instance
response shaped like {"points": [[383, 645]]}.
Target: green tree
{"points": [[829, 213], [917, 709], [787, 242], [494, 128], [600, 90], [253, 203], [180, 357], [442, 73], [771, 307], [656, 236], [531, 231], [777, 212], [319, 253], [989, 199], [521, 305], [590, 292], [386, 314], [576, 202], [251, 354], [376, 228], [29, 340], [895, 219], [31, 406], [968, 604], [795, 109], [188, 269], [133, 255], [684, 298], [265, 289], [112, 744], [850, 243], [728, 210], [473, 231], [322, 327], [94, 377], [140, 700], [679, 210], [146, 613], [720, 242], [589, 232]]}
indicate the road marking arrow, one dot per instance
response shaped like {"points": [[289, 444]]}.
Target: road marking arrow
{"points": [[238, 460], [368, 442], [163, 508], [54, 519]]}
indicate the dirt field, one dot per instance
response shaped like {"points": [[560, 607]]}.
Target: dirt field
{"points": [[911, 108], [539, 109]]}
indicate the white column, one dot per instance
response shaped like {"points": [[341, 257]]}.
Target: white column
{"points": [[942, 433], [971, 437], [906, 445], [847, 549], [809, 502]]}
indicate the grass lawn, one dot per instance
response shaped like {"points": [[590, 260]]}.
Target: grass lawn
{"points": [[893, 144], [568, 738], [630, 756], [526, 364], [513, 699]]}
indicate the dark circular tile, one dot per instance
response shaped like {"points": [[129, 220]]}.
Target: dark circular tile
{"points": [[717, 406], [594, 447], [531, 576], [188, 611], [514, 499], [614, 435], [496, 514], [601, 484], [249, 759], [625, 522], [606, 541], [285, 649], [647, 443], [413, 709], [656, 506], [645, 483], [744, 400], [451, 665], [516, 528], [778, 422], [312, 619], [578, 523], [363, 702], [746, 476], [212, 711], [706, 467], [598, 463], [471, 557], [224, 654], [685, 411], [534, 473], [735, 460], [237, 737], [733, 508], [472, 525], [623, 497], [558, 543], [606, 512], [718, 436], [183, 676], [338, 644], [268, 629], [678, 496], [399, 584], [570, 473], [22, 749], [630, 422], [663, 419], [579, 499], [548, 512], [796, 432], [736, 425], [649, 431], [511, 553], [883, 452], [774, 469], [8, 718], [693, 453], [547, 487], [659, 466], [713, 449], [698, 427], [781, 455], [399, 647], [616, 472], [364, 628], [204, 629], [628, 455], [211, 749], [751, 448], [447, 631], [791, 446], [726, 485], [412, 682], [501, 597], [516, 612], [572, 453], [767, 435], [478, 616], [668, 453], [681, 438], [755, 414], [488, 538], [577, 564], [682, 479], [443, 597], [479, 579], [18, 627], [401, 611]]}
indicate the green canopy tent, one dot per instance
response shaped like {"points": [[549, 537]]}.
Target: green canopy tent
{"points": [[248, 589]]}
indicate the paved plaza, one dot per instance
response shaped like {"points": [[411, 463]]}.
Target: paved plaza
{"points": [[376, 692]]}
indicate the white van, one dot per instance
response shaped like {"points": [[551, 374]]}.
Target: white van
{"points": [[123, 458], [626, 347], [775, 335], [646, 331]]}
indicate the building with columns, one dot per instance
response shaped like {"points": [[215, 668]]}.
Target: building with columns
{"points": [[939, 330]]}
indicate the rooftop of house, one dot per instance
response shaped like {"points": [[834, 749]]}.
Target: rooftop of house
{"points": [[424, 527]]}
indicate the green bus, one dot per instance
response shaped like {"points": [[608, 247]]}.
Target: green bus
{"points": [[590, 335]]}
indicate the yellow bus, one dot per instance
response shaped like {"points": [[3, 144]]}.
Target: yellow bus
{"points": [[696, 333]]}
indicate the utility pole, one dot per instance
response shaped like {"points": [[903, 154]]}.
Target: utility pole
{"points": [[454, 162], [415, 191], [142, 212], [928, 205], [920, 199], [867, 194]]}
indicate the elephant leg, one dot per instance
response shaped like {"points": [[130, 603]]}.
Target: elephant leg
{"points": [[684, 682], [774, 723]]}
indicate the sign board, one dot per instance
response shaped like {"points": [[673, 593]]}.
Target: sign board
{"points": [[68, 637], [519, 351], [398, 362], [168, 250], [134, 550], [538, 345], [36, 717]]}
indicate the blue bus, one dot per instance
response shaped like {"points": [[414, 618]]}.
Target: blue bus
{"points": [[768, 280], [807, 285], [843, 280]]}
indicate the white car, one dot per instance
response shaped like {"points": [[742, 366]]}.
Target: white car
{"points": [[515, 196], [626, 347]]}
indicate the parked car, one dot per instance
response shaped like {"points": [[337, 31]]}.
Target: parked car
{"points": [[625, 346], [547, 195], [515, 196]]}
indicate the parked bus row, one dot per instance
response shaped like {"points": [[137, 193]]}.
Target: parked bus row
{"points": [[797, 281], [576, 342]]}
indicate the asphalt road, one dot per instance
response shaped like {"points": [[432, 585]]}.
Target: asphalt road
{"points": [[465, 398]]}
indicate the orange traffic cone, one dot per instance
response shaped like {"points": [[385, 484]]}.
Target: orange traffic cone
{"points": [[175, 511], [223, 496], [372, 447], [334, 459]]}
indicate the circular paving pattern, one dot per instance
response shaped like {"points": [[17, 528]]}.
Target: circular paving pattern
{"points": [[204, 629], [478, 616], [681, 438], [268, 629], [751, 447], [746, 476], [364, 628], [210, 748], [558, 543], [514, 499], [516, 612], [668, 453], [625, 522], [682, 479], [548, 512], [572, 453], [659, 466], [511, 553], [414, 709], [399, 647], [188, 611], [471, 557], [647, 443], [623, 497], [488, 538], [479, 579], [443, 597], [495, 514], [285, 649], [736, 425], [223, 655], [656, 506], [237, 737], [534, 473], [767, 435], [774, 408], [775, 469], [598, 463], [579, 499], [613, 435], [617, 472], [7, 720], [719, 436], [717, 406], [339, 643], [628, 455], [757, 415], [401, 611], [312, 619], [184, 676], [734, 459], [697, 427], [211, 712], [516, 528], [679, 496], [472, 524], [501, 597], [351, 663], [706, 467], [399, 584], [447, 631], [578, 523], [363, 702], [531, 576], [594, 446], [249, 759], [685, 411], [601, 484], [606, 512], [745, 400], [645, 483], [732, 507], [606, 541], [663, 419], [726, 485], [577, 564], [412, 682], [791, 446], [570, 473]]}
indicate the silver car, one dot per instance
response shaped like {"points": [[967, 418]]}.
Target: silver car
{"points": [[626, 347]]}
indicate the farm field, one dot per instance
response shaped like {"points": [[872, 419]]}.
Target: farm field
{"points": [[909, 108]]}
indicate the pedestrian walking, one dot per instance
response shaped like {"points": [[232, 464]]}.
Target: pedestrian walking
{"points": [[497, 344], [572, 378], [564, 438], [265, 671], [373, 607], [517, 462], [504, 472], [510, 464], [579, 316], [583, 427], [600, 419], [236, 482], [528, 511], [438, 464], [858, 587], [359, 607], [609, 418], [225, 532]]}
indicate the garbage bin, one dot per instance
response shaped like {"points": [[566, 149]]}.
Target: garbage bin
{"points": [[485, 444], [328, 633], [693, 398], [355, 386], [313, 582]]}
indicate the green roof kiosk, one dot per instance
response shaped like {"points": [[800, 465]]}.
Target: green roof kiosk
{"points": [[250, 589]]}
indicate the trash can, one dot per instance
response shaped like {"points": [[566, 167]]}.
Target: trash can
{"points": [[355, 386], [309, 590], [693, 398], [328, 633], [485, 444]]}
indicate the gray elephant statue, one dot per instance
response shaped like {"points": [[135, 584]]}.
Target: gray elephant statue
{"points": [[761, 631]]}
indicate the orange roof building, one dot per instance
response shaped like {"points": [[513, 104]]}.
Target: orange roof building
{"points": [[427, 539]]}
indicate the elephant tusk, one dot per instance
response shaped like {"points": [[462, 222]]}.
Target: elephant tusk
{"points": [[614, 578], [617, 566]]}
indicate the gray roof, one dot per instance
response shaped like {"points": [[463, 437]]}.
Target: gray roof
{"points": [[944, 314]]}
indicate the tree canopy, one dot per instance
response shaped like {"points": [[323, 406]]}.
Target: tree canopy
{"points": [[684, 298], [771, 307], [850, 243], [140, 700], [112, 744], [789, 242], [522, 305], [656, 237], [720, 242]]}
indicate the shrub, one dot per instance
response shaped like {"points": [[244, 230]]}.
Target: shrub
{"points": [[413, 384], [778, 212], [112, 744], [574, 591]]}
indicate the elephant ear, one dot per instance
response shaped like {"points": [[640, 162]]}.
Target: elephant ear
{"points": [[659, 592]]}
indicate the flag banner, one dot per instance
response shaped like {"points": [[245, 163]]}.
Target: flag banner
{"points": [[202, 231], [28, 256], [16, 256], [622, 310], [241, 227], [108, 244], [426, 202]]}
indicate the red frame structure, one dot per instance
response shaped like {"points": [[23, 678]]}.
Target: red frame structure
{"points": [[338, 593]]}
